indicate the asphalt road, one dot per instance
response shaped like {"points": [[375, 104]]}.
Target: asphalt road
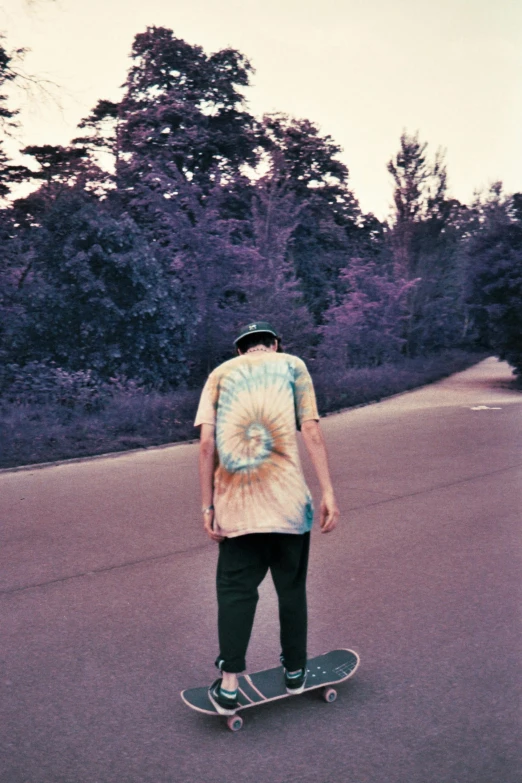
{"points": [[107, 610]]}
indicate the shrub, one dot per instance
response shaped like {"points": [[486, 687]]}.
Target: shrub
{"points": [[41, 383], [45, 426]]}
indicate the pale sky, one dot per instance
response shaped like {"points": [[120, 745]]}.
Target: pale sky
{"points": [[363, 70]]}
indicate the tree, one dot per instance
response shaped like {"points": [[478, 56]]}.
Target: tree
{"points": [[12, 257], [307, 160], [9, 173], [495, 274], [100, 299], [59, 167], [424, 239], [420, 198], [213, 267], [185, 109], [329, 221], [179, 139], [273, 291], [365, 328]]}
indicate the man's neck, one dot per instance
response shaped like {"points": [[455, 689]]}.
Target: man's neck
{"points": [[258, 348]]}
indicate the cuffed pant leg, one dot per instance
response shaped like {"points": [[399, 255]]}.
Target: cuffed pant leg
{"points": [[289, 567], [242, 566]]}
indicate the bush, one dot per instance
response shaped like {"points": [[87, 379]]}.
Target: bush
{"points": [[40, 383], [340, 389], [32, 432], [57, 419]]}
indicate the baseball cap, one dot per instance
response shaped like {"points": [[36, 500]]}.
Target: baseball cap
{"points": [[254, 328]]}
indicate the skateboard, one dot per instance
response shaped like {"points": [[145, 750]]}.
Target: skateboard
{"points": [[269, 685]]}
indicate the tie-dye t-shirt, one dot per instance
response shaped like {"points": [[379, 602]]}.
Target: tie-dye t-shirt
{"points": [[256, 402]]}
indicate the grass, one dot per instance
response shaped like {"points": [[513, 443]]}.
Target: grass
{"points": [[34, 432]]}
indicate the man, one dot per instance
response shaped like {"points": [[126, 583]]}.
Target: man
{"points": [[256, 504]]}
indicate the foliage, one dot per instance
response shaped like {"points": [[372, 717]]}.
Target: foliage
{"points": [[365, 328], [38, 383], [329, 223], [495, 281], [127, 417], [425, 239], [274, 290], [184, 109], [9, 173], [99, 298]]}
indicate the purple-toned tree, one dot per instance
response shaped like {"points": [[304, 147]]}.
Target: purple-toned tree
{"points": [[329, 223], [185, 109], [495, 274], [13, 259], [99, 299], [365, 329], [424, 239], [273, 291], [60, 168], [10, 173], [179, 139], [420, 197]]}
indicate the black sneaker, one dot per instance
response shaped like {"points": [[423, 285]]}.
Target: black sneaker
{"points": [[295, 682], [223, 703]]}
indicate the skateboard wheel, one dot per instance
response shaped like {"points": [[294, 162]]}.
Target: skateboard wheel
{"points": [[329, 694], [234, 723]]}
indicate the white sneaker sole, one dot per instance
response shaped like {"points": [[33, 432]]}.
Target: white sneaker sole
{"points": [[295, 691], [219, 708]]}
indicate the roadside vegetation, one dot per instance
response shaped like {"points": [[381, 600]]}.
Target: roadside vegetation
{"points": [[68, 417]]}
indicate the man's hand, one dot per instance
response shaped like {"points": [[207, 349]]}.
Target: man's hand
{"points": [[328, 513], [314, 442], [208, 524]]}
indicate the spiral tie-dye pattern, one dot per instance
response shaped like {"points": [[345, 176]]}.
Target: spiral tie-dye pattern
{"points": [[255, 402]]}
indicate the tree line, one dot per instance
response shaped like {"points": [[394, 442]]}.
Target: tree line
{"points": [[175, 215]]}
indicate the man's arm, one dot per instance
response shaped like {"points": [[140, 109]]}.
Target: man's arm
{"points": [[207, 450], [315, 445]]}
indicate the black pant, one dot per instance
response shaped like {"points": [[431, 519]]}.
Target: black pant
{"points": [[242, 565]]}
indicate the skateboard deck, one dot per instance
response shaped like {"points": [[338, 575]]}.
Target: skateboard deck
{"points": [[269, 685]]}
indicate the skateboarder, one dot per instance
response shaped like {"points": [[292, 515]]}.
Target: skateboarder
{"points": [[256, 504]]}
